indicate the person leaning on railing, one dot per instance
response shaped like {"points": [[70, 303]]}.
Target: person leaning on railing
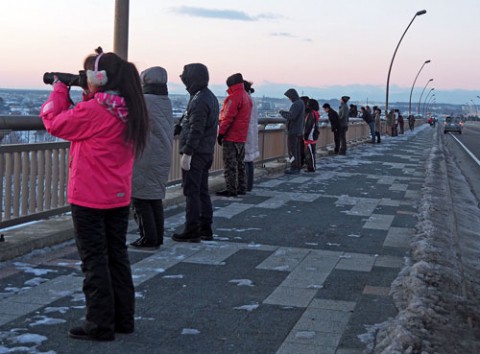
{"points": [[106, 131]]}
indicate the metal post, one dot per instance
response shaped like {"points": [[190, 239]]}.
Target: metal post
{"points": [[420, 99], [411, 91], [419, 13], [426, 98], [120, 40]]}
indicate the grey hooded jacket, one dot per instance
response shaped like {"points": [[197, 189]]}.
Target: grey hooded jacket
{"points": [[296, 115], [150, 171], [343, 115]]}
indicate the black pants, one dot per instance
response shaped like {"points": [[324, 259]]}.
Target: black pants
{"points": [[249, 171], [295, 147], [234, 167], [377, 134], [199, 209], [342, 137], [149, 215], [311, 157], [100, 235], [336, 139]]}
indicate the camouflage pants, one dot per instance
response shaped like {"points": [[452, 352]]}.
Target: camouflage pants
{"points": [[234, 168]]}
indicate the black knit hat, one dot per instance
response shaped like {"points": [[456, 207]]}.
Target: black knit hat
{"points": [[235, 79], [345, 98], [248, 86]]}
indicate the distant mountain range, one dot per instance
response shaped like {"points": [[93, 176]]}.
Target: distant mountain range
{"points": [[358, 93]]}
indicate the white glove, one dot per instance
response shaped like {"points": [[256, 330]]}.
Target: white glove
{"points": [[185, 161]]}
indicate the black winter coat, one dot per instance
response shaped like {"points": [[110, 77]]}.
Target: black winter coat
{"points": [[200, 121]]}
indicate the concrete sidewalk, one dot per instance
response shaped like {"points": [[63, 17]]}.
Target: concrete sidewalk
{"points": [[303, 264]]}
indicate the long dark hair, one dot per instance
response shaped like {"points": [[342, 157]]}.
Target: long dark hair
{"points": [[124, 78]]}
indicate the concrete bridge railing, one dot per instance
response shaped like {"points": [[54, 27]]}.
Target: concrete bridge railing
{"points": [[33, 177]]}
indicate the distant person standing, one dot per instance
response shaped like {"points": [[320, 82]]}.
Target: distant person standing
{"points": [[305, 100], [411, 122], [353, 112], [295, 121], [367, 118], [150, 171], [400, 122], [390, 116], [232, 135], [251, 145], [310, 135], [378, 124], [334, 125], [197, 143], [343, 124]]}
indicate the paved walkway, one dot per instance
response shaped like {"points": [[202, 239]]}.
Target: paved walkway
{"points": [[303, 264]]}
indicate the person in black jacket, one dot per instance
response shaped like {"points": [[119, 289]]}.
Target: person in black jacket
{"points": [[198, 135], [334, 124], [367, 117]]}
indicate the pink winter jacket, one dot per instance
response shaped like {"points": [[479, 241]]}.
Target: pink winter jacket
{"points": [[100, 162]]}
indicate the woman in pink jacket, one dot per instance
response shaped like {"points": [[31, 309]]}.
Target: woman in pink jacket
{"points": [[106, 130]]}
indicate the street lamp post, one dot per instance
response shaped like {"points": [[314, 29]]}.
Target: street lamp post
{"points": [[411, 91], [420, 99], [427, 104], [426, 98], [419, 13], [476, 110], [120, 36]]}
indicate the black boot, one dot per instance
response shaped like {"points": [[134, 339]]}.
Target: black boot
{"points": [[191, 234], [206, 233], [142, 243]]}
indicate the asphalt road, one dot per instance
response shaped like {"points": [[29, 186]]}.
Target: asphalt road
{"points": [[470, 138]]}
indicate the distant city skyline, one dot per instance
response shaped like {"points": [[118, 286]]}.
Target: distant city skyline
{"points": [[325, 49]]}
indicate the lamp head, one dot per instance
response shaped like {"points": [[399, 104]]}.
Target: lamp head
{"points": [[427, 61], [422, 12]]}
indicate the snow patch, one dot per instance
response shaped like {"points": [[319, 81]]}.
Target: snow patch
{"points": [[242, 282], [190, 331], [46, 321], [248, 308]]}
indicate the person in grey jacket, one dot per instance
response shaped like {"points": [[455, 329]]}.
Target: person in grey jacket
{"points": [[343, 114], [151, 169], [295, 121]]}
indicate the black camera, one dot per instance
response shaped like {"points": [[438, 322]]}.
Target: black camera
{"points": [[67, 79]]}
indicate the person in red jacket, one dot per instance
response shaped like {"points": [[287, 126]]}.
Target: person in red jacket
{"points": [[106, 131], [232, 135]]}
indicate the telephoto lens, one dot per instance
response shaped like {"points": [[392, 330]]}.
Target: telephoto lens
{"points": [[66, 78]]}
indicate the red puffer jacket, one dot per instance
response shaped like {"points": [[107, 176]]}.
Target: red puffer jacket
{"points": [[100, 162], [235, 114]]}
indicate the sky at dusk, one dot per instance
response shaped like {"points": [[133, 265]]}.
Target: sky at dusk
{"points": [[320, 47]]}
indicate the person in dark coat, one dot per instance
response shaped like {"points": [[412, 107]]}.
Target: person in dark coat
{"points": [[198, 135], [367, 118], [334, 125], [151, 169], [295, 121], [343, 124]]}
